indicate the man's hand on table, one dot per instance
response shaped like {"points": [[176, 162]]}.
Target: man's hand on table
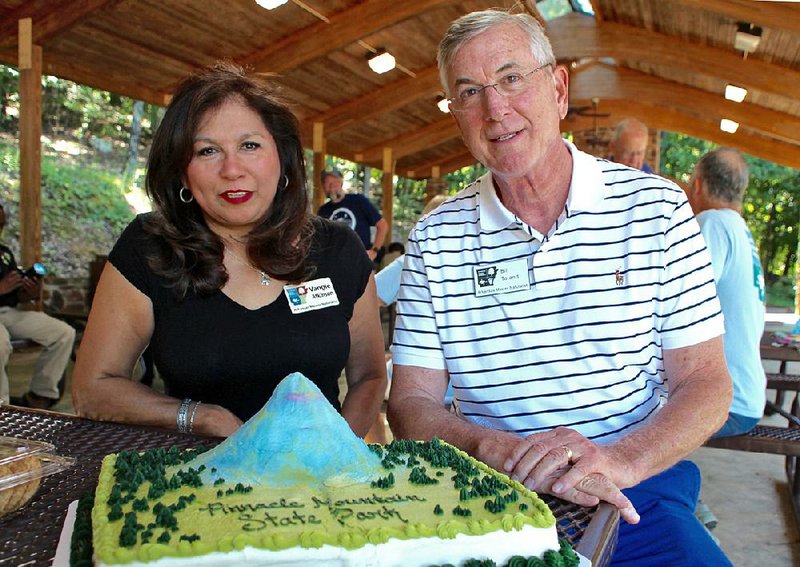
{"points": [[565, 464]]}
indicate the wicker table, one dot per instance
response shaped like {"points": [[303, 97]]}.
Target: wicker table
{"points": [[30, 535]]}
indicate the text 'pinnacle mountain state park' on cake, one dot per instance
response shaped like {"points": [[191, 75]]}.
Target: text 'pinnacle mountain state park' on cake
{"points": [[294, 485]]}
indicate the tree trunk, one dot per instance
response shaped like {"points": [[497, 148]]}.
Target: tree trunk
{"points": [[129, 173]]}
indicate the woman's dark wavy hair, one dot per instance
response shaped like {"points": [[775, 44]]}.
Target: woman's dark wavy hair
{"points": [[188, 253]]}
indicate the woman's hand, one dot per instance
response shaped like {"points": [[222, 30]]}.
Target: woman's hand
{"points": [[214, 421]]}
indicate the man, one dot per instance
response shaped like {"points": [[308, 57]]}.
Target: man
{"points": [[354, 210], [570, 304], [628, 144], [55, 336], [715, 192]]}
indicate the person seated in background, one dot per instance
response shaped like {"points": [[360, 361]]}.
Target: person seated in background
{"points": [[570, 304], [219, 280], [715, 192], [354, 210], [628, 144], [55, 336]]}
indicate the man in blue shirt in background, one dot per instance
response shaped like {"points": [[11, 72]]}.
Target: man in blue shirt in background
{"points": [[715, 192], [353, 210]]}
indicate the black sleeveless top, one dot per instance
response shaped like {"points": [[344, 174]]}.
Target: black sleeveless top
{"points": [[212, 349]]}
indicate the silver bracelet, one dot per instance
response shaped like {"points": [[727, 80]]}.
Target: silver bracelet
{"points": [[191, 418], [183, 413]]}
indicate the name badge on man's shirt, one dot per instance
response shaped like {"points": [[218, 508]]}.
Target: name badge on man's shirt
{"points": [[504, 277], [309, 296]]}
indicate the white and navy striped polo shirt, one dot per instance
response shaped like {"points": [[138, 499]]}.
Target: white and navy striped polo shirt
{"points": [[621, 276]]}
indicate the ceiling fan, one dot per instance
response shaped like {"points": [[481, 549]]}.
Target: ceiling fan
{"points": [[591, 111]]}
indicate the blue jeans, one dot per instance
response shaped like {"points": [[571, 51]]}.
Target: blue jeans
{"points": [[668, 534], [736, 425]]}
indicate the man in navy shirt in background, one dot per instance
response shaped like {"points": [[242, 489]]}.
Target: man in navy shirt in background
{"points": [[353, 210]]}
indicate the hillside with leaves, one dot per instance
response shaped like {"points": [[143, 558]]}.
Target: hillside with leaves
{"points": [[83, 209]]}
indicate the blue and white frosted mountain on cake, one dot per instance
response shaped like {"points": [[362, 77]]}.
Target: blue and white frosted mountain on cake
{"points": [[296, 438]]}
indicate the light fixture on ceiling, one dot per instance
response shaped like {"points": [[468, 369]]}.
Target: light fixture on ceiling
{"points": [[747, 37], [728, 126], [734, 93], [443, 103], [381, 61], [271, 4]]}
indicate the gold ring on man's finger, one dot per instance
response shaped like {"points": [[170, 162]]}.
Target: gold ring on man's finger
{"points": [[568, 452]]}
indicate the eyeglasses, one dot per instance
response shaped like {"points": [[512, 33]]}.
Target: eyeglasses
{"points": [[510, 85]]}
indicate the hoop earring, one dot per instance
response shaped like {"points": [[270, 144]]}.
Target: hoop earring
{"points": [[183, 198], [285, 182]]}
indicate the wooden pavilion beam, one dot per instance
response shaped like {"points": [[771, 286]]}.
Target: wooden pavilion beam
{"points": [[49, 18], [607, 81], [575, 36], [446, 164], [774, 15], [72, 72], [411, 142], [342, 28], [674, 120], [374, 103]]}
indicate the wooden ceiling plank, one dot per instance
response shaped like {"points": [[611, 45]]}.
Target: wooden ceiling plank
{"points": [[575, 36], [773, 15], [134, 47], [343, 28], [49, 18], [384, 99], [606, 81], [411, 142]]}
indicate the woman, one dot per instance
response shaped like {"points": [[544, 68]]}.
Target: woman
{"points": [[230, 280]]}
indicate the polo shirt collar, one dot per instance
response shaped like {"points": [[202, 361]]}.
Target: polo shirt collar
{"points": [[586, 188]]}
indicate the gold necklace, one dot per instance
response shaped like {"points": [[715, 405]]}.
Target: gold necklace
{"points": [[265, 280]]}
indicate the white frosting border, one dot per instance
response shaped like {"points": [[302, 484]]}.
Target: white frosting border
{"points": [[395, 552]]}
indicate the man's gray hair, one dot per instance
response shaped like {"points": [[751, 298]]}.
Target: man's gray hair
{"points": [[629, 125], [470, 25], [725, 173]]}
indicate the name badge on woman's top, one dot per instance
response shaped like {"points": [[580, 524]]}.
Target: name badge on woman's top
{"points": [[309, 296]]}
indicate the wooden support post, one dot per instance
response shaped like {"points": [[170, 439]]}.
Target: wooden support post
{"points": [[30, 144], [388, 191], [797, 282], [318, 145], [655, 149]]}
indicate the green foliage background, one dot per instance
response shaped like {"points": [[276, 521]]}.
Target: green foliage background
{"points": [[83, 211], [771, 206]]}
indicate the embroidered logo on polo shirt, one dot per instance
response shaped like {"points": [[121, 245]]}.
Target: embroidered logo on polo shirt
{"points": [[620, 277]]}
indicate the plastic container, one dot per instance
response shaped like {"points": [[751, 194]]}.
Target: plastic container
{"points": [[23, 463]]}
